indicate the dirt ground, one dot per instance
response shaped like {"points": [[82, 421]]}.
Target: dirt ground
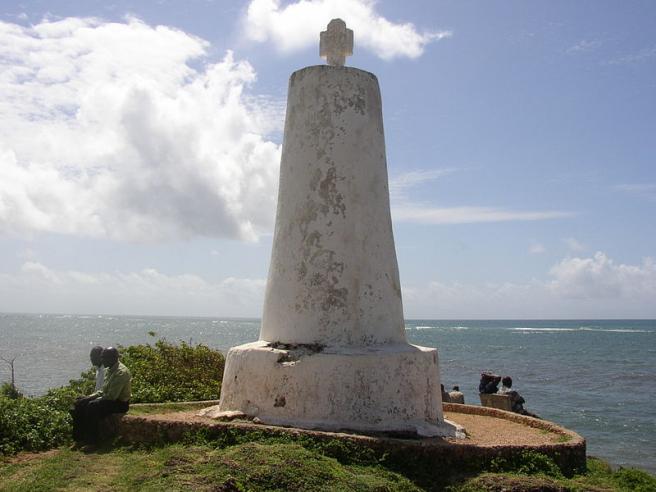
{"points": [[481, 430], [492, 431]]}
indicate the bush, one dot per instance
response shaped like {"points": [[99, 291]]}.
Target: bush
{"points": [[10, 391], [60, 399], [85, 385], [634, 479], [32, 424], [526, 463], [166, 372]]}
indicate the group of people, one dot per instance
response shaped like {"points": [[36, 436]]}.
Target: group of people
{"points": [[490, 384], [111, 395]]}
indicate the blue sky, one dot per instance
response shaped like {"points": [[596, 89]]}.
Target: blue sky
{"points": [[140, 144]]}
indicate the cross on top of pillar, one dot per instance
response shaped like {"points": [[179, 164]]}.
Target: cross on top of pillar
{"points": [[336, 43]]}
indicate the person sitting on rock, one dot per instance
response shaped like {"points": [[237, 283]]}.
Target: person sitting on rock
{"points": [[445, 396], [456, 396], [114, 397], [79, 407], [96, 361], [489, 383], [517, 401]]}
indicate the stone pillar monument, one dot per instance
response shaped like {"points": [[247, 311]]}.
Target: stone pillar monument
{"points": [[332, 352]]}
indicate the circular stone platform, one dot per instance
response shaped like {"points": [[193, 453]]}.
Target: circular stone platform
{"points": [[491, 434]]}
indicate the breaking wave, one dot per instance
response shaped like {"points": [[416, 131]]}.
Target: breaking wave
{"points": [[581, 328], [437, 327]]}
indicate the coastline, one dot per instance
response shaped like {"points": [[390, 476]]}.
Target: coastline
{"points": [[567, 373]]}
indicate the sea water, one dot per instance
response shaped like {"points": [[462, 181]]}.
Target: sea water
{"points": [[596, 377]]}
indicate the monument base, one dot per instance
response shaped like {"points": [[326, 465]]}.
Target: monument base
{"points": [[388, 388]]}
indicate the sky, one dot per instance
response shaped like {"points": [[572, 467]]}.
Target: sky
{"points": [[140, 149]]}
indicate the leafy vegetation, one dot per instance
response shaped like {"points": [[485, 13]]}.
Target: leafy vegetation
{"points": [[31, 424], [527, 463], [9, 390], [165, 372]]}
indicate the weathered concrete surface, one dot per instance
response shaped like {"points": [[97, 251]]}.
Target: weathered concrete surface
{"points": [[373, 388], [333, 277], [332, 351]]}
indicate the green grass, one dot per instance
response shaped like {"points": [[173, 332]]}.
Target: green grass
{"points": [[599, 477], [272, 466], [251, 466]]}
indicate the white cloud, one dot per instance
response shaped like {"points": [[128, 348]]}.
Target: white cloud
{"points": [[594, 287], [583, 46], [426, 214], [109, 131], [579, 288], [643, 190], [404, 209], [38, 288], [536, 248], [467, 301], [574, 244], [601, 278], [297, 25], [400, 184], [639, 56]]}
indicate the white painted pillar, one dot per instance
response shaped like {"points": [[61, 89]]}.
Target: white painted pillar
{"points": [[332, 352], [333, 278]]}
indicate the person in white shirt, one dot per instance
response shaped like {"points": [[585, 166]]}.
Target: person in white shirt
{"points": [[96, 360], [516, 399]]}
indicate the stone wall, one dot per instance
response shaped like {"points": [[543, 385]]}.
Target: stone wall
{"points": [[437, 455]]}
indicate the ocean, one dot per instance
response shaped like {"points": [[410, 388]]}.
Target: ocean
{"points": [[596, 377]]}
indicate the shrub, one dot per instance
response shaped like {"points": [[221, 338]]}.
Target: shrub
{"points": [[32, 424], [165, 372], [526, 463], [85, 384], [634, 479], [60, 399], [10, 391]]}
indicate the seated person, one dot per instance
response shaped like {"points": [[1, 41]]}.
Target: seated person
{"points": [[456, 396], [114, 397], [516, 399], [445, 396], [489, 383], [96, 361]]}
